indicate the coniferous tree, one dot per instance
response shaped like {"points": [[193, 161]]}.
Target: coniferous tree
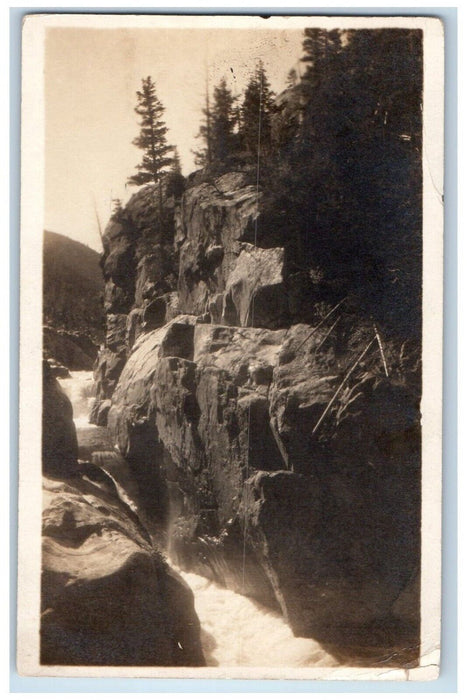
{"points": [[320, 46], [223, 124], [203, 157], [175, 179], [117, 205], [218, 132], [256, 110], [176, 164], [152, 138], [117, 208]]}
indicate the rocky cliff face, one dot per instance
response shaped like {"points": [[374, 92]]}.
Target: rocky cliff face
{"points": [[194, 256], [140, 267], [108, 597], [273, 430], [221, 426], [73, 350], [221, 274]]}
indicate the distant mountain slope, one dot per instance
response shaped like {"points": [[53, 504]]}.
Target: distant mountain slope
{"points": [[72, 287]]}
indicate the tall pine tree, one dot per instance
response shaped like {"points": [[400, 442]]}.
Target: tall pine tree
{"points": [[224, 122], [176, 164], [203, 157], [320, 47], [152, 138], [256, 110], [219, 129]]}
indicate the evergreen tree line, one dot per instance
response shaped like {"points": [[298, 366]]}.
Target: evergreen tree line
{"points": [[341, 161], [230, 129], [233, 128]]}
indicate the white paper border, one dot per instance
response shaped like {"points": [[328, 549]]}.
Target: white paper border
{"points": [[32, 187]]}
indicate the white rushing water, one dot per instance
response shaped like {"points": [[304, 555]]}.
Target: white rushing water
{"points": [[79, 387], [236, 631]]}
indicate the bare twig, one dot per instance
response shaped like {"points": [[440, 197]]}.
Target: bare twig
{"points": [[320, 324], [380, 345], [341, 385], [99, 224]]}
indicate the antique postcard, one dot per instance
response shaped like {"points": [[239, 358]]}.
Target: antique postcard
{"points": [[231, 347]]}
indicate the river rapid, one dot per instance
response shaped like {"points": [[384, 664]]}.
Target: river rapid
{"points": [[236, 631]]}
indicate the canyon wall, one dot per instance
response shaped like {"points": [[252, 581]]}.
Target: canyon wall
{"points": [[271, 423]]}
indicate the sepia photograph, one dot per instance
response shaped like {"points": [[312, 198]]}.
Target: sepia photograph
{"points": [[231, 333]]}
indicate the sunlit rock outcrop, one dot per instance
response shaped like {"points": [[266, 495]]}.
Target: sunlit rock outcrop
{"points": [[195, 256]]}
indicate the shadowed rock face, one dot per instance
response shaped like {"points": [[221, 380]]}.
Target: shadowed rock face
{"points": [[74, 351], [108, 597], [334, 566], [255, 292]]}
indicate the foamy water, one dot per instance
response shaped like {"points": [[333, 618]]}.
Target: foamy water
{"points": [[235, 630]]}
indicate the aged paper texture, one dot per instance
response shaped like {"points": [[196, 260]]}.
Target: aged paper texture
{"points": [[231, 347]]}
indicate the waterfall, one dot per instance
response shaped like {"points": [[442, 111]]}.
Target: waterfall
{"points": [[79, 387]]}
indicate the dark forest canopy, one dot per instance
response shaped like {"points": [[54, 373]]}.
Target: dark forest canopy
{"points": [[345, 177]]}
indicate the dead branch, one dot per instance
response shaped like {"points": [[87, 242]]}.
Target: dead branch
{"points": [[380, 345], [328, 333], [320, 324], [341, 385], [99, 227]]}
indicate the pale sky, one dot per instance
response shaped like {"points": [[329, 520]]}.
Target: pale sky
{"points": [[91, 78]]}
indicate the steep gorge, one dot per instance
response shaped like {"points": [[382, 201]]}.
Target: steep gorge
{"points": [[271, 424]]}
